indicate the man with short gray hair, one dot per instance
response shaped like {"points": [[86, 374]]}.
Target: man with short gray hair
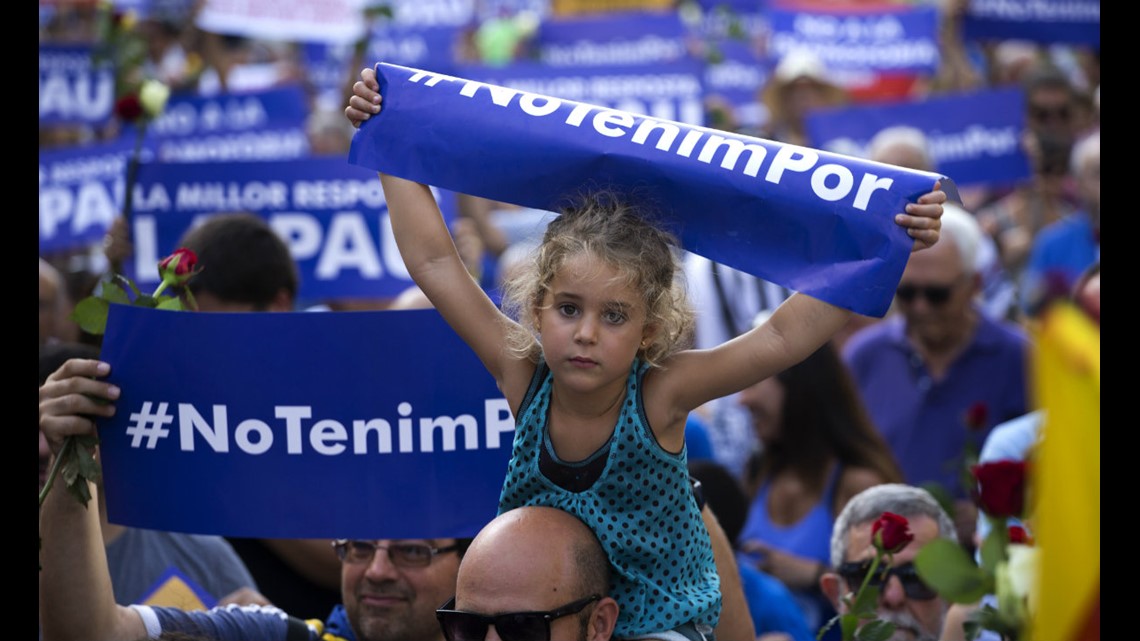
{"points": [[917, 611]]}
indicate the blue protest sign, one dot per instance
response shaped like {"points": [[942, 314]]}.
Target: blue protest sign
{"points": [[895, 38], [73, 88], [81, 193], [300, 425], [974, 137], [332, 215], [810, 220], [430, 47], [256, 125], [1042, 21]]}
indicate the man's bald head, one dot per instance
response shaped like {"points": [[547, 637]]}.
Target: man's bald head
{"points": [[536, 559], [533, 537]]}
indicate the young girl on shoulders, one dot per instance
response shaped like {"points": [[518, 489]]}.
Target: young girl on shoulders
{"points": [[589, 350]]}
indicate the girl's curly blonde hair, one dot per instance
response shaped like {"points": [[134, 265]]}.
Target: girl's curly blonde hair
{"points": [[611, 230]]}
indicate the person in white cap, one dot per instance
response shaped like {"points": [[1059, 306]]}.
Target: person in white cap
{"points": [[799, 85]]}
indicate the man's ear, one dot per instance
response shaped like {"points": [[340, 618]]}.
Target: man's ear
{"points": [[603, 620], [830, 584], [282, 302], [976, 284]]}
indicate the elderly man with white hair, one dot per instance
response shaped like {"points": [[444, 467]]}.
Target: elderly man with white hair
{"points": [[938, 372], [917, 611]]}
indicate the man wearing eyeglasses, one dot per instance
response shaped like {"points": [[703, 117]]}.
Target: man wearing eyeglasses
{"points": [[938, 373], [390, 588], [916, 609]]}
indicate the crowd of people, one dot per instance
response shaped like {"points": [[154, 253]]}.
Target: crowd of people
{"points": [[783, 426]]}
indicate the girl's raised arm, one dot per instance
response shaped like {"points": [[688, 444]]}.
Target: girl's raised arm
{"points": [[433, 262], [429, 253], [797, 328]]}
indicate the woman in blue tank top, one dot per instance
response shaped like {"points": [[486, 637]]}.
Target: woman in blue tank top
{"points": [[820, 448]]}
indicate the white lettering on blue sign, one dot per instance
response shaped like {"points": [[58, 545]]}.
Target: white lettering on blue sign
{"points": [[615, 124], [87, 95], [343, 243], [327, 437]]}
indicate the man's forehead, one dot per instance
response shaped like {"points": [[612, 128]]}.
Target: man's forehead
{"points": [[860, 547]]}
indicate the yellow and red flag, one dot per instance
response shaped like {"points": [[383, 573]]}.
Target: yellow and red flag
{"points": [[1065, 477]]}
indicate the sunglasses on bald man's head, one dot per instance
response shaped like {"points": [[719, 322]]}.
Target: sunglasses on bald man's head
{"points": [[514, 626], [912, 584]]}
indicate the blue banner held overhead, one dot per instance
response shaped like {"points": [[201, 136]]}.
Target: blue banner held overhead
{"points": [[974, 137], [300, 425], [813, 221]]}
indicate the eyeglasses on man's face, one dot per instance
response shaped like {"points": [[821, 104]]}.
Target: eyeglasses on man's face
{"points": [[935, 295], [914, 587], [514, 626], [403, 555], [1045, 113]]}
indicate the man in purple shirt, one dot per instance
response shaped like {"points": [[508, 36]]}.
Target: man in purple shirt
{"points": [[937, 374]]}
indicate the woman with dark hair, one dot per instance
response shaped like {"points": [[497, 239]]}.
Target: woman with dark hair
{"points": [[820, 448]]}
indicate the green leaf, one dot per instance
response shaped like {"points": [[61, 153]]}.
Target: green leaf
{"points": [[146, 300], [848, 623], [736, 30], [993, 549], [115, 290], [169, 302], [877, 630], [81, 492], [91, 315], [85, 457], [945, 566], [867, 601]]}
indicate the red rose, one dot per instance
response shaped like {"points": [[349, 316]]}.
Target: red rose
{"points": [[1001, 487], [1017, 534], [891, 533], [178, 267], [128, 108], [976, 416]]}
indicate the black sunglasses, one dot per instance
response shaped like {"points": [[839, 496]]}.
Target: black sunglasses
{"points": [[1060, 114], [403, 555], [913, 585], [513, 626], [934, 294]]}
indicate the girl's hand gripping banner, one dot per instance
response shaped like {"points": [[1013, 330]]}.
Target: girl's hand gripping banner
{"points": [[817, 222]]}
